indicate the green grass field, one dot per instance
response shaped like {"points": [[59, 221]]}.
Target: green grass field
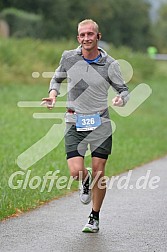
{"points": [[138, 139]]}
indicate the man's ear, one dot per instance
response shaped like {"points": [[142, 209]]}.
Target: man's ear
{"points": [[78, 39], [98, 36]]}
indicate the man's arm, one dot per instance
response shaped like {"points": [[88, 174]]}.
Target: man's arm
{"points": [[118, 85], [57, 79]]}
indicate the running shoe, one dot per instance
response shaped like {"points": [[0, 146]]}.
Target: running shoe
{"points": [[92, 226]]}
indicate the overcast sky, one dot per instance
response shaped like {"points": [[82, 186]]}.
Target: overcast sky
{"points": [[155, 6]]}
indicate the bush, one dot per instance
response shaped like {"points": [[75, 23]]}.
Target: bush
{"points": [[21, 23], [20, 57]]}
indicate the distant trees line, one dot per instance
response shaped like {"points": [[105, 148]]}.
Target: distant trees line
{"points": [[122, 22]]}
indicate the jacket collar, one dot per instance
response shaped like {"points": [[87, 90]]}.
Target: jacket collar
{"points": [[101, 61]]}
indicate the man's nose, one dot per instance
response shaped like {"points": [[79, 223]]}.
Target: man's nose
{"points": [[86, 37]]}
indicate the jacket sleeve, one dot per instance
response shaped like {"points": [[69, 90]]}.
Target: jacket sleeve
{"points": [[117, 81], [58, 77]]}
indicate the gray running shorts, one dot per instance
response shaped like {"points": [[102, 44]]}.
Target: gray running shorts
{"points": [[99, 141]]}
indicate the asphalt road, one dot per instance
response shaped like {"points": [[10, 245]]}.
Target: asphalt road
{"points": [[132, 219]]}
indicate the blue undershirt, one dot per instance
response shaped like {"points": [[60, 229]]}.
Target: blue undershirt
{"points": [[93, 60]]}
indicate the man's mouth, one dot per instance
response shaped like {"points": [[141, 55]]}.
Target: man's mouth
{"points": [[87, 43]]}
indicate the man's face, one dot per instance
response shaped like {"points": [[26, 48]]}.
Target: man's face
{"points": [[87, 36]]}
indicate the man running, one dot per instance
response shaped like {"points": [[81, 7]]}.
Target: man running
{"points": [[90, 72]]}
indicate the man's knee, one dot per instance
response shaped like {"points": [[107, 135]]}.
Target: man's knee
{"points": [[76, 174], [98, 171], [76, 169], [98, 168]]}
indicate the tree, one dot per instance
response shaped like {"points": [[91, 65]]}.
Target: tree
{"points": [[28, 5], [160, 29], [122, 22]]}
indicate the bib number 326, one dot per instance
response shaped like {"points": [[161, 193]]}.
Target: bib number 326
{"points": [[87, 122]]}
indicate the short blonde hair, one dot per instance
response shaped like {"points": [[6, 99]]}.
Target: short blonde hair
{"points": [[89, 21]]}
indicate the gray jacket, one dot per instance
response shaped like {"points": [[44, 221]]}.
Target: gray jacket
{"points": [[88, 84]]}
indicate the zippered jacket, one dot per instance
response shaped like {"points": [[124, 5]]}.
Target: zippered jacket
{"points": [[87, 84]]}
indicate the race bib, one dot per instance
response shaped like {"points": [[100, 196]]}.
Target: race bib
{"points": [[87, 122]]}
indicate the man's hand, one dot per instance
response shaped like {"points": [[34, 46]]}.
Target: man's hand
{"points": [[49, 102], [118, 101]]}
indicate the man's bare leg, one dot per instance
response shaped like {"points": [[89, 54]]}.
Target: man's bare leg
{"points": [[99, 191], [77, 168]]}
